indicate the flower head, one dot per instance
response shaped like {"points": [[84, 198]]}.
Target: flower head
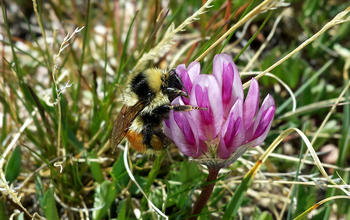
{"points": [[230, 125]]}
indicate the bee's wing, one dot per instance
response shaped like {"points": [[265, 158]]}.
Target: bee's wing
{"points": [[123, 121]]}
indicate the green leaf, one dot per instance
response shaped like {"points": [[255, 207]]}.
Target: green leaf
{"points": [[3, 210], [39, 188], [152, 176], [265, 216], [73, 140], [119, 172], [95, 168], [186, 205], [205, 214], [49, 209], [104, 197], [344, 144], [134, 190], [13, 167], [3, 132], [121, 210], [256, 213], [237, 199]]}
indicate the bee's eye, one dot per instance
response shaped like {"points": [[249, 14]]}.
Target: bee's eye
{"points": [[177, 85], [174, 81]]}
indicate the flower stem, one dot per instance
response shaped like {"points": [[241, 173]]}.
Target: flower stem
{"points": [[205, 194]]}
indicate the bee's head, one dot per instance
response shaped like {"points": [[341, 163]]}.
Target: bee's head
{"points": [[175, 86]]}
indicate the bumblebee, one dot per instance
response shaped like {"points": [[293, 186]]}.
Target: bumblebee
{"points": [[147, 102]]}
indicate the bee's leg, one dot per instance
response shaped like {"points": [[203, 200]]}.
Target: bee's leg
{"points": [[163, 111], [160, 134], [147, 133], [155, 138], [185, 108], [152, 138]]}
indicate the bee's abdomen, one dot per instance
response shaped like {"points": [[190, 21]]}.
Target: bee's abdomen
{"points": [[136, 141]]}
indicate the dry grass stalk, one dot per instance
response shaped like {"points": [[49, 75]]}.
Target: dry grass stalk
{"points": [[167, 40], [338, 19], [63, 46], [264, 6], [4, 187], [280, 81], [256, 55], [314, 139]]}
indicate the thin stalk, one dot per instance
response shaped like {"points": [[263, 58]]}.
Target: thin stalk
{"points": [[338, 19], [58, 91], [205, 194], [256, 10]]}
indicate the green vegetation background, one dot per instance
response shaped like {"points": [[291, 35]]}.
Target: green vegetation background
{"points": [[98, 61]]}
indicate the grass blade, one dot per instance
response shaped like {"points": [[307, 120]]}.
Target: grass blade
{"points": [[13, 167], [50, 210], [125, 47]]}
